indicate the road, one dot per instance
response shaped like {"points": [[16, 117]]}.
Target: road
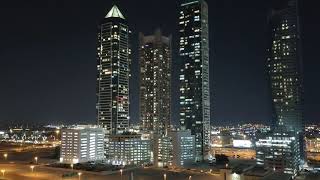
{"points": [[24, 172]]}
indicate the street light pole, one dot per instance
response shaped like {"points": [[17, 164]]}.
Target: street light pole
{"points": [[32, 167], [164, 176], [3, 171], [121, 171], [79, 174], [36, 159]]}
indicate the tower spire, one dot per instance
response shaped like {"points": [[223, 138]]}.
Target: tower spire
{"points": [[114, 12]]}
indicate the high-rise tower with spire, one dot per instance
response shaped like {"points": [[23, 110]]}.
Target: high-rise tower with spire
{"points": [[113, 72]]}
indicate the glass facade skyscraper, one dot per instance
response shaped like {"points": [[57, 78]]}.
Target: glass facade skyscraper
{"points": [[113, 61], [155, 82], [284, 62], [194, 75], [284, 66]]}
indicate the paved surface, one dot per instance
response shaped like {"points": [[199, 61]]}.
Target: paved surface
{"points": [[24, 172]]}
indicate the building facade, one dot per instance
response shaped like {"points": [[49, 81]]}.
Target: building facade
{"points": [[279, 150], [129, 149], [284, 62], [81, 144], [284, 66], [194, 75], [164, 156], [184, 150], [155, 82], [113, 73]]}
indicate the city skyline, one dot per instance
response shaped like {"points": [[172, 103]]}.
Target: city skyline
{"points": [[158, 103], [27, 112]]}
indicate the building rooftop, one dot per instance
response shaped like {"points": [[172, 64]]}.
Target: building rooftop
{"points": [[257, 171], [277, 176], [115, 12]]}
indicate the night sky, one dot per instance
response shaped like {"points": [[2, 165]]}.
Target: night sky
{"points": [[48, 58]]}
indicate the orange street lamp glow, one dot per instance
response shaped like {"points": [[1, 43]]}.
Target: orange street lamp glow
{"points": [[3, 171], [32, 167], [5, 155]]}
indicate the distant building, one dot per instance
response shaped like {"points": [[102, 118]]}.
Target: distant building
{"points": [[81, 144], [313, 145], [113, 72], [127, 149], [2, 134], [194, 75], [280, 151], [155, 82], [221, 140], [242, 143]]}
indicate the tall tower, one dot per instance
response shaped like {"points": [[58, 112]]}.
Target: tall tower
{"points": [[113, 61], [194, 75], [155, 82], [284, 59], [284, 66]]}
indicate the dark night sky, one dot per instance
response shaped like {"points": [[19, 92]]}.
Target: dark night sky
{"points": [[48, 57]]}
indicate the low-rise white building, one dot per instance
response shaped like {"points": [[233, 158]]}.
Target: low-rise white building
{"points": [[127, 149], [81, 144]]}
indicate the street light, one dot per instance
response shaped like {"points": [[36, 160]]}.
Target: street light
{"points": [[79, 174], [190, 177], [3, 171], [32, 167], [71, 165], [57, 132], [36, 159], [121, 171], [164, 176], [5, 155]]}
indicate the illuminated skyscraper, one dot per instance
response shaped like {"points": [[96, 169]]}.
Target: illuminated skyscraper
{"points": [[113, 73], [284, 66], [155, 82], [194, 75]]}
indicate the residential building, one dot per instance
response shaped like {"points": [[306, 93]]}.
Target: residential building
{"points": [[155, 82]]}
